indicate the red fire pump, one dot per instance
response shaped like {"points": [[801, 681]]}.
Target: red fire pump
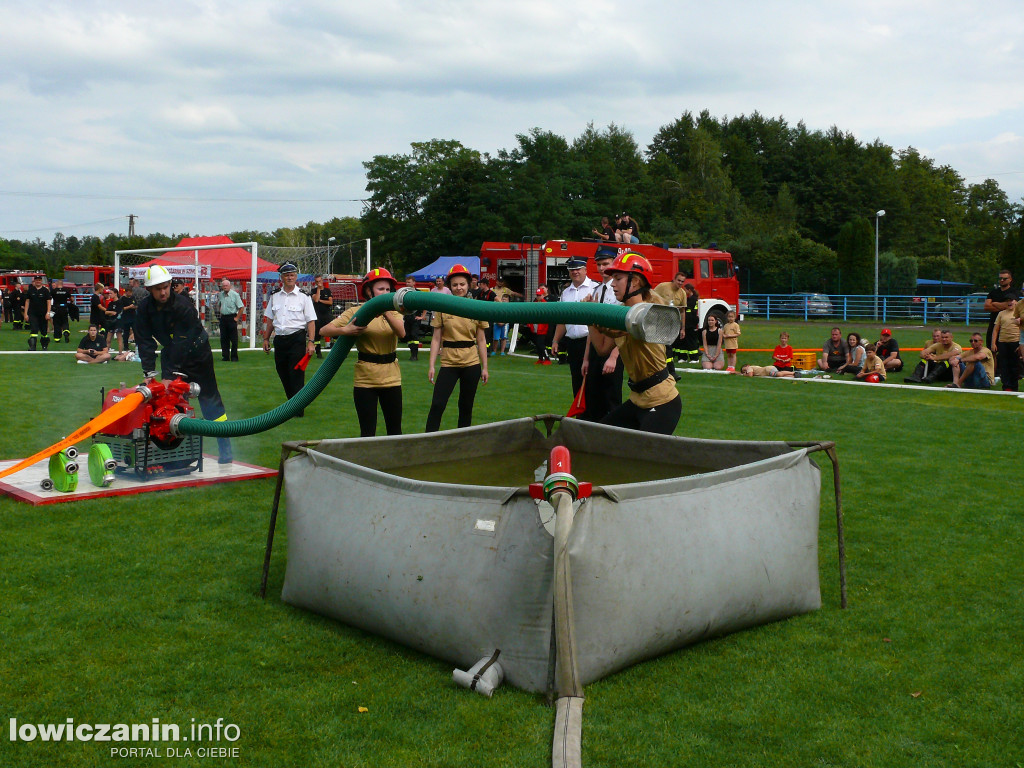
{"points": [[141, 441]]}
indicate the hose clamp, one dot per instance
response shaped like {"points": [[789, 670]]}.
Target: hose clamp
{"points": [[146, 392], [399, 298], [561, 482], [172, 426]]}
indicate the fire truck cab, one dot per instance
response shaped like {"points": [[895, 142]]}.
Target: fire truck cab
{"points": [[20, 277], [525, 266]]}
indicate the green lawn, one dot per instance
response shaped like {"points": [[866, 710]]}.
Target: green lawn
{"points": [[142, 607]]}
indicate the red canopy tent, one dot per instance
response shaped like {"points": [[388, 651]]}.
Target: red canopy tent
{"points": [[232, 263]]}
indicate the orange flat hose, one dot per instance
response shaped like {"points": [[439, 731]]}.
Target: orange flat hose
{"points": [[105, 419]]}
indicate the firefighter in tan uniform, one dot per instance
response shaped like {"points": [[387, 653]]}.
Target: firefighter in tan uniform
{"points": [[377, 379], [462, 346], [654, 404]]}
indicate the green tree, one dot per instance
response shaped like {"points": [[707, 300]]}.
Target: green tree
{"points": [[855, 256]]}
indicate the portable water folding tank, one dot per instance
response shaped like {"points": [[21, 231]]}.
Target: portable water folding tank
{"points": [[433, 541]]}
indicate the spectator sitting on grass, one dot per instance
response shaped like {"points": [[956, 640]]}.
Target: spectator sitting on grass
{"points": [[93, 347], [974, 369], [782, 357], [939, 358], [854, 355], [873, 370], [765, 370], [834, 353], [921, 370], [888, 349]]}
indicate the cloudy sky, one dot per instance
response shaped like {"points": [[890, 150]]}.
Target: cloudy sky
{"points": [[212, 116]]}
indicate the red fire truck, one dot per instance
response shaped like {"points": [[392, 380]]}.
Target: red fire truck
{"points": [[87, 275], [528, 264], [18, 277]]}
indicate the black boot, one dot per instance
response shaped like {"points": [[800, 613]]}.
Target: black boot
{"points": [[414, 351], [67, 336], [318, 352], [937, 373], [917, 376], [32, 343], [46, 343]]}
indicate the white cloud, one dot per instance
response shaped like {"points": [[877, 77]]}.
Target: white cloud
{"points": [[216, 99]]}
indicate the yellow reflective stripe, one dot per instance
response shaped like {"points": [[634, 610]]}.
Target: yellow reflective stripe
{"points": [[222, 418]]}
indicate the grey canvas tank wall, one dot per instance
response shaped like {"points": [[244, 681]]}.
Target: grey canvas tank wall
{"points": [[457, 571]]}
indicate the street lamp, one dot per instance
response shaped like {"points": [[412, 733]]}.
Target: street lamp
{"points": [[330, 264], [878, 216], [949, 249]]}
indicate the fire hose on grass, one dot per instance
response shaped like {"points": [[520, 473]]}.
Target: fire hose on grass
{"points": [[648, 322], [561, 490]]}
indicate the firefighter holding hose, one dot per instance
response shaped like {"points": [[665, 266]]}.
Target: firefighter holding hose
{"points": [[377, 379], [170, 319], [462, 346], [654, 404]]}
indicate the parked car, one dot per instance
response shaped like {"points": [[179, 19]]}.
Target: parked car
{"points": [[967, 307], [749, 307], [815, 304]]}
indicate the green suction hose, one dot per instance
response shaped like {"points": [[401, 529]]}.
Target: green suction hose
{"points": [[651, 322]]}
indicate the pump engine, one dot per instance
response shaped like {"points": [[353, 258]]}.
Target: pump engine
{"points": [[142, 441]]}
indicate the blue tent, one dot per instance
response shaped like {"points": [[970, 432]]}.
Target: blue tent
{"points": [[440, 267]]}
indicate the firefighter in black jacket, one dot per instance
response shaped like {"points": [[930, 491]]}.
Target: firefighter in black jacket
{"points": [[170, 319], [62, 301], [38, 313]]}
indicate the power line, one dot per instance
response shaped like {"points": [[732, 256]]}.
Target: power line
{"points": [[61, 228], [75, 196]]}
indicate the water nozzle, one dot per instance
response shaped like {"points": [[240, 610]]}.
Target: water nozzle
{"points": [[655, 323]]}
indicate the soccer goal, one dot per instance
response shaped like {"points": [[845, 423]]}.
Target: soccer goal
{"points": [[199, 268]]}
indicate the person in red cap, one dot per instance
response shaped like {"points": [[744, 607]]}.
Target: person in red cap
{"points": [[377, 379], [888, 349]]}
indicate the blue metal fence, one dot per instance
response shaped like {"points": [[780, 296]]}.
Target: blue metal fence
{"points": [[964, 310]]}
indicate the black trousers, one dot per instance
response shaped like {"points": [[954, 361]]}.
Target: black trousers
{"points": [[661, 420], [288, 350], [199, 368], [575, 349], [468, 379], [60, 324], [366, 400], [1007, 365], [604, 391], [39, 325], [229, 337]]}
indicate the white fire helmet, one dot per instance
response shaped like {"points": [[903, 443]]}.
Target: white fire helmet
{"points": [[157, 275]]}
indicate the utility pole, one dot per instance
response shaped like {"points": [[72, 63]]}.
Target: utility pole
{"points": [[131, 224]]}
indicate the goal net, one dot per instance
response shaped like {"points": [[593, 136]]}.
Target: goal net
{"points": [[199, 269]]}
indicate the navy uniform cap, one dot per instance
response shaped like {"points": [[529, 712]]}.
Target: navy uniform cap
{"points": [[287, 267], [576, 262]]}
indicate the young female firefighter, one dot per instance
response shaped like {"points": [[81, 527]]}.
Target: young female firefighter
{"points": [[462, 345], [654, 404], [377, 379]]}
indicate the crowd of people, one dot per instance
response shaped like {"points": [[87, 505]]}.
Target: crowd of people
{"points": [[600, 360]]}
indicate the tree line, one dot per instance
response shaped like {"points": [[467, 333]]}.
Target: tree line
{"points": [[797, 208]]}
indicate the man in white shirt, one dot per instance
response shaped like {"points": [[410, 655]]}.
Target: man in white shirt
{"points": [[574, 337], [291, 318], [603, 374]]}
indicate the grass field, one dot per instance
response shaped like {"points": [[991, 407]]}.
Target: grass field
{"points": [[142, 607]]}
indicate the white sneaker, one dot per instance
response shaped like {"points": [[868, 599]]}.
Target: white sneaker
{"points": [[81, 362]]}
